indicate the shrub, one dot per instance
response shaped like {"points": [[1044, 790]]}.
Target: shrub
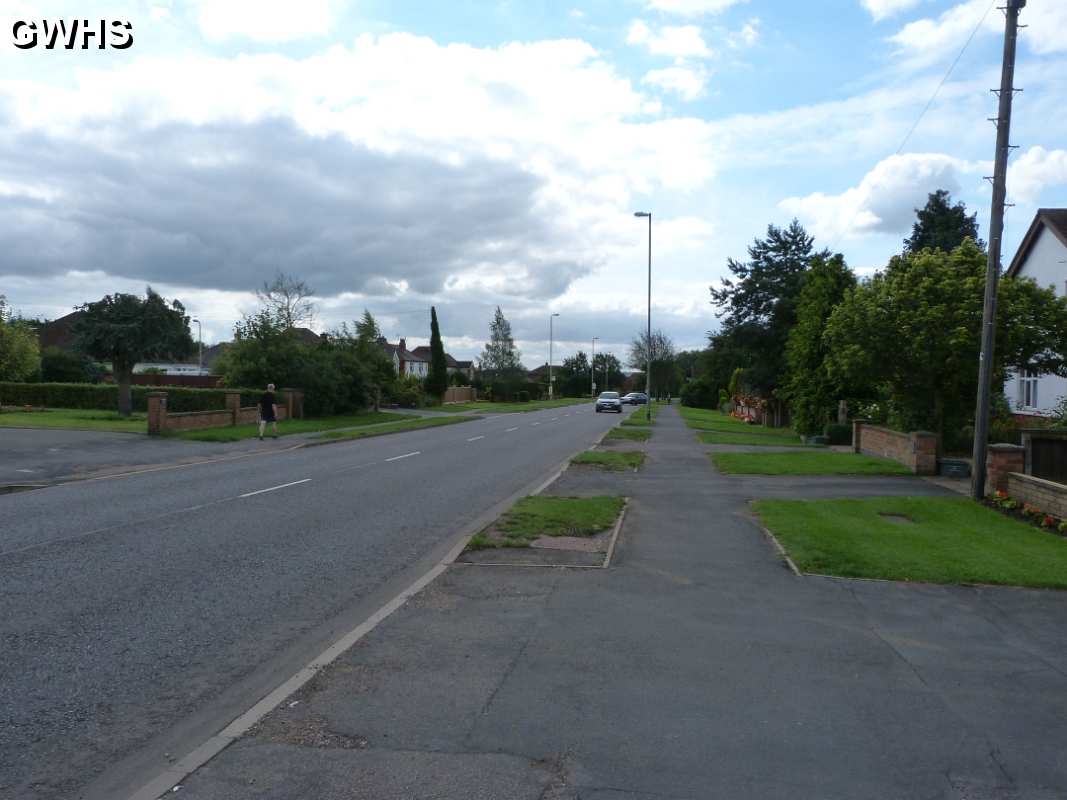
{"points": [[62, 366], [839, 434], [523, 396], [406, 393], [104, 396], [700, 393]]}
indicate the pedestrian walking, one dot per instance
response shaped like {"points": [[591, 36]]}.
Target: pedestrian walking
{"points": [[268, 412]]}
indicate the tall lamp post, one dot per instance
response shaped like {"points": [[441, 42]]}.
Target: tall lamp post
{"points": [[592, 368], [200, 347], [551, 386], [648, 341]]}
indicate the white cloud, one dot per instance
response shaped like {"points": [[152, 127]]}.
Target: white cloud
{"points": [[885, 200], [1035, 170], [679, 41], [747, 36], [692, 8], [265, 20], [928, 40], [883, 9], [687, 82]]}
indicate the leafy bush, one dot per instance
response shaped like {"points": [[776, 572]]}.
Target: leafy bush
{"points": [[62, 366], [523, 396], [104, 396], [406, 392], [700, 393], [839, 434]]}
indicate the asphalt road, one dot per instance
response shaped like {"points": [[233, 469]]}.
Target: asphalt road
{"points": [[140, 614]]}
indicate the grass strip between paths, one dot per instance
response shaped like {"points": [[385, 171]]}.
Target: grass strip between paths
{"points": [[547, 515], [395, 427], [762, 440], [289, 427], [630, 434], [806, 463], [930, 539], [614, 460], [510, 408], [71, 418]]}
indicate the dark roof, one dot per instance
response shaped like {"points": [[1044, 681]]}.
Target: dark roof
{"points": [[1055, 219], [59, 332], [464, 364], [402, 353], [309, 336], [538, 372], [422, 353]]}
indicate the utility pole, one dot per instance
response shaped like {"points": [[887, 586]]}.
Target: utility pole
{"points": [[550, 337], [648, 344], [1006, 94], [592, 368], [200, 340]]}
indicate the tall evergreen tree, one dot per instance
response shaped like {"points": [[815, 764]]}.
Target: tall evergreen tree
{"points": [[437, 380], [941, 224], [500, 357]]}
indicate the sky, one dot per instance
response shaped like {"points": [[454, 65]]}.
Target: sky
{"points": [[397, 155]]}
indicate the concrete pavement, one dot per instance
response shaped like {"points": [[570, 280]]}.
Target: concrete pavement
{"points": [[696, 667], [142, 613]]}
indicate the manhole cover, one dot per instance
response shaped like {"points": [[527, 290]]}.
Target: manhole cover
{"points": [[896, 519]]}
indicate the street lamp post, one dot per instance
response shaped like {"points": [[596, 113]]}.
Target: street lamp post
{"points": [[648, 342], [551, 386], [200, 347], [592, 368]]}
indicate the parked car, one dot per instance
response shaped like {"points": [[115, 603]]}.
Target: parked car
{"points": [[609, 401], [635, 399]]}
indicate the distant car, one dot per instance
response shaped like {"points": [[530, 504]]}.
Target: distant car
{"points": [[609, 401], [635, 399]]}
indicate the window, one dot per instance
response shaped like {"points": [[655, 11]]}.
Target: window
{"points": [[1028, 390]]}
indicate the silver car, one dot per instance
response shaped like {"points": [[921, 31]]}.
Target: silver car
{"points": [[608, 401]]}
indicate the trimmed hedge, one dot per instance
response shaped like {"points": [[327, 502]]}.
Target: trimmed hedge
{"points": [[105, 396]]}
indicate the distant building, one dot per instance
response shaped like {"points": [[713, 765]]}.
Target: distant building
{"points": [[405, 362]]}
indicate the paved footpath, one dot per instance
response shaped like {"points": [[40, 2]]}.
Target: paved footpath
{"points": [[697, 666]]}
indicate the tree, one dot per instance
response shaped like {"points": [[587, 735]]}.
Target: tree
{"points": [[760, 303], [20, 357], [942, 225], [380, 371], [608, 370], [437, 380], [812, 391], [63, 366], [288, 299], [126, 329], [659, 351], [915, 330], [500, 357], [572, 378]]}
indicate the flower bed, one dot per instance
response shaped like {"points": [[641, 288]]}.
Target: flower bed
{"points": [[1027, 512]]}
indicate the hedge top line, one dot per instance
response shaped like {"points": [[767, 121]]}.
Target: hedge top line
{"points": [[104, 396]]}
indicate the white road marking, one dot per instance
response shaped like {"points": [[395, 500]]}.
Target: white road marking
{"points": [[274, 488], [537, 423], [475, 438], [406, 455], [30, 471], [509, 430], [555, 419]]}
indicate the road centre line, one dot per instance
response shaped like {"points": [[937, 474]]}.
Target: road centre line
{"points": [[274, 488], [406, 455], [509, 430], [537, 423], [475, 438]]}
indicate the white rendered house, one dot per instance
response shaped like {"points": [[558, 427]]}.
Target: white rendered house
{"points": [[1042, 255]]}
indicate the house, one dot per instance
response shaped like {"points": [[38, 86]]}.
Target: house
{"points": [[466, 368], [405, 362], [1042, 255]]}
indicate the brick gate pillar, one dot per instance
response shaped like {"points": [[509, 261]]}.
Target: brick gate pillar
{"points": [[157, 413], [233, 405]]}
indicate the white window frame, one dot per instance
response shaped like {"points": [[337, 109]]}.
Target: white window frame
{"points": [[1028, 395]]}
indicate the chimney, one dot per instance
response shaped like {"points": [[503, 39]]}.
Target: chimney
{"points": [[403, 345]]}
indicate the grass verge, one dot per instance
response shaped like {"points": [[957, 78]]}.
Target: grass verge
{"points": [[509, 408], [744, 437], [395, 427], [71, 418], [630, 434], [614, 460], [947, 540], [639, 417], [289, 427], [806, 463], [545, 515]]}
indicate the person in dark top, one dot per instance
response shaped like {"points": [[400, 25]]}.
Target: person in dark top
{"points": [[268, 412]]}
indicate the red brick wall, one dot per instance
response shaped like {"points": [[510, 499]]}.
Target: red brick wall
{"points": [[1001, 461], [1048, 496], [160, 421], [917, 450]]}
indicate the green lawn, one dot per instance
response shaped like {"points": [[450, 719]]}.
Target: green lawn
{"points": [[806, 463], [950, 540], [630, 434], [615, 460], [507, 408], [75, 418], [237, 433], [703, 419], [639, 417], [752, 438], [415, 424], [543, 515]]}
